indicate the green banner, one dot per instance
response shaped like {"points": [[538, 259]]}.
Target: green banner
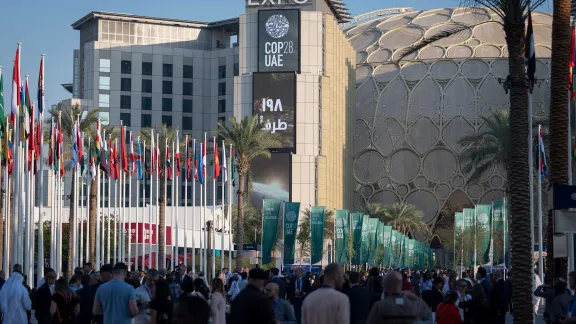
{"points": [[373, 240], [381, 251], [498, 229], [365, 247], [356, 220], [405, 256], [387, 235], [484, 226], [317, 214], [411, 253], [469, 235], [342, 233], [396, 244], [269, 228], [458, 237], [291, 215], [506, 235]]}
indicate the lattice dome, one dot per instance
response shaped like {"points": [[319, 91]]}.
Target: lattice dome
{"points": [[410, 116]]}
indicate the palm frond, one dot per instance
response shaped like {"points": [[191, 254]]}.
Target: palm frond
{"points": [[446, 33]]}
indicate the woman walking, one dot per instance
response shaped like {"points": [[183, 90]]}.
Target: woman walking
{"points": [[161, 304], [64, 306], [218, 302]]}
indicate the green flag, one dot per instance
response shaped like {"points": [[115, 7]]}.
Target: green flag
{"points": [[356, 220], [506, 235], [372, 239], [498, 235], [396, 245], [405, 255], [291, 213], [365, 248], [484, 225], [269, 228], [387, 235], [342, 228], [469, 234], [381, 251], [317, 214]]}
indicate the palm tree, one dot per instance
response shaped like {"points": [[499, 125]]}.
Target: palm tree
{"points": [[403, 217], [88, 120], [373, 210], [165, 134], [250, 140], [303, 235], [558, 112]]}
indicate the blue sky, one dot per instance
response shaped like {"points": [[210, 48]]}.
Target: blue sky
{"points": [[44, 27]]}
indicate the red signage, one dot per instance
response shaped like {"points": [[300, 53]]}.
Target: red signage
{"points": [[144, 232]]}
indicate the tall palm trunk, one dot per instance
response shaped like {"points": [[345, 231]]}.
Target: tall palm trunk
{"points": [[2, 193], [558, 117], [240, 221], [162, 227], [519, 189], [71, 228], [93, 216]]}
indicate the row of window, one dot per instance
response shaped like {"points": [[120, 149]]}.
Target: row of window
{"points": [[126, 86], [167, 69], [187, 104], [146, 120], [144, 193]]}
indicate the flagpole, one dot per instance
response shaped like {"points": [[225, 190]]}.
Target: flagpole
{"points": [[117, 189], [531, 175], [230, 201], [32, 204], [150, 200], [223, 222], [7, 232], [129, 232], [194, 212], [109, 215], [40, 262], [540, 236], [52, 201], [570, 236], [166, 152], [214, 152], [174, 247], [175, 201], [87, 201], [26, 203], [186, 206], [202, 239], [142, 169], [81, 222], [16, 169], [157, 214], [205, 174]]}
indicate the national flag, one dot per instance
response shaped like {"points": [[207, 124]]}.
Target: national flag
{"points": [[111, 162], [132, 160], [232, 167], [203, 164], [571, 66], [116, 161], [61, 148], [188, 171], [10, 149], [25, 114], [51, 144], [153, 153], [31, 141], [168, 163], [224, 163], [158, 155], [103, 156], [139, 160], [97, 144], [38, 145], [542, 152], [177, 154], [529, 52], [2, 119], [16, 99], [216, 160], [200, 169], [41, 102], [123, 156], [92, 162], [75, 157], [196, 160]]}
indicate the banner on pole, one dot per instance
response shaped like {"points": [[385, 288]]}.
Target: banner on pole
{"points": [[365, 246], [372, 239], [341, 236], [387, 236], [291, 215], [484, 225], [469, 236], [356, 220], [317, 214], [269, 228]]}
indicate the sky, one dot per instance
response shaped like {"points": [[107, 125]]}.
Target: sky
{"points": [[43, 27]]}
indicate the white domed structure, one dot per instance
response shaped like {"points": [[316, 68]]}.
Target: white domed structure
{"points": [[410, 116]]}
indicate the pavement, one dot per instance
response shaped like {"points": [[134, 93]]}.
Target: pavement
{"points": [[509, 320]]}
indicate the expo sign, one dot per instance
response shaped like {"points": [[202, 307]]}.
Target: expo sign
{"points": [[270, 3], [279, 40]]}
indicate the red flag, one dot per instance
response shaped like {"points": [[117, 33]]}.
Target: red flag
{"points": [[38, 146], [112, 162], [116, 165], [168, 164], [216, 160], [31, 140], [80, 144], [123, 148], [51, 145]]}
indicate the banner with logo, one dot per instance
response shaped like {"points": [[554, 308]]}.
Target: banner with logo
{"points": [[484, 226], [356, 220], [396, 245], [269, 228], [458, 235], [405, 261], [506, 235], [411, 251], [387, 244], [498, 232], [342, 228], [365, 247], [317, 214], [380, 250], [372, 239], [279, 40], [291, 215], [469, 234]]}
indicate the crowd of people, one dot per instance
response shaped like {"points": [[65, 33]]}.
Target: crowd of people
{"points": [[114, 295]]}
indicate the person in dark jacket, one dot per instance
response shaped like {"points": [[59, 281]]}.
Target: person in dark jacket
{"points": [[275, 273], [251, 305], [434, 297], [500, 298], [476, 310], [44, 299], [374, 285], [297, 290], [360, 300], [86, 295], [186, 282]]}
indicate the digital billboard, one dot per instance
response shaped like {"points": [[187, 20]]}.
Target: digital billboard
{"points": [[274, 96], [279, 40], [271, 178]]}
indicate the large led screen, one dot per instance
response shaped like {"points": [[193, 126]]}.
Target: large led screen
{"points": [[279, 40], [271, 178], [275, 106]]}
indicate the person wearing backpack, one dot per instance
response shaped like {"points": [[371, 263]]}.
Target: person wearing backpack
{"points": [[64, 306]]}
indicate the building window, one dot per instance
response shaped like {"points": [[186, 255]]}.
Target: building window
{"points": [[222, 105], [187, 88], [166, 87], [125, 118], [167, 70], [222, 88], [146, 86], [104, 83], [146, 103], [146, 68], [236, 69], [126, 84], [103, 100], [167, 120], [126, 67], [166, 104], [222, 120], [104, 65], [187, 123], [125, 102], [146, 120], [222, 72], [188, 72], [187, 105]]}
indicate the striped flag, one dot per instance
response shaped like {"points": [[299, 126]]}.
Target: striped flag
{"points": [[177, 154], [224, 163], [216, 161], [91, 161], [25, 114], [123, 157], [188, 172], [75, 144], [139, 160], [542, 152], [15, 90], [132, 160], [41, 102], [203, 164], [2, 119], [51, 145], [168, 163]]}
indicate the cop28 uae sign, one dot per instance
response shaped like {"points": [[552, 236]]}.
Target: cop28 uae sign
{"points": [[274, 97], [279, 40]]}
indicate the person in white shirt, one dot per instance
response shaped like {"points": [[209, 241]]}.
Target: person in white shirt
{"points": [[461, 287], [14, 298], [144, 297]]}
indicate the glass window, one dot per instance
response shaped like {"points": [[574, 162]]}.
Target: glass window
{"points": [[125, 102], [104, 100], [125, 118], [187, 105], [125, 84], [166, 104], [188, 72], [146, 120], [167, 120], [125, 67], [104, 65], [167, 70], [166, 87], [187, 88], [222, 72], [146, 103], [187, 123], [146, 86], [104, 117], [104, 83], [236, 69], [222, 105], [146, 68], [222, 120], [222, 88]]}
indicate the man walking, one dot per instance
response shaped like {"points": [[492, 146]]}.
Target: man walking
{"points": [[326, 304], [184, 280], [500, 298], [144, 297], [116, 299], [275, 272], [297, 289], [282, 309], [251, 305], [14, 299], [359, 300]]}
